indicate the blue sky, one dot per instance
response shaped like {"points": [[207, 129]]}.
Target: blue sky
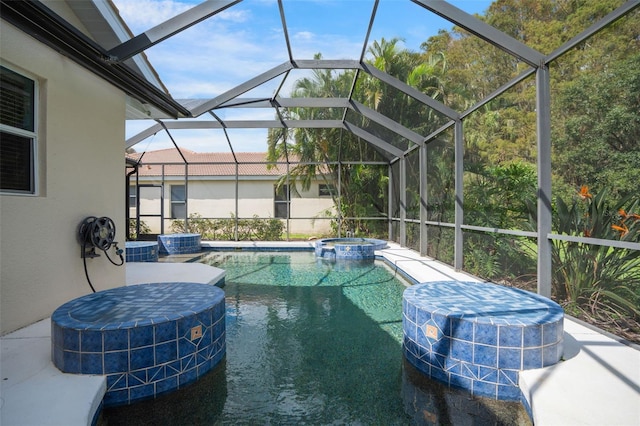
{"points": [[247, 39]]}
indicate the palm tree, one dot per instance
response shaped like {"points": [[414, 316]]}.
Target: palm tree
{"points": [[320, 151]]}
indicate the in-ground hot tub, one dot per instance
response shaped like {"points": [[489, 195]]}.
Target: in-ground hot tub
{"points": [[141, 251], [179, 243], [478, 336], [348, 248], [148, 339]]}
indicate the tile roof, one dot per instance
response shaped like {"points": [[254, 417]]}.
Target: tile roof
{"points": [[204, 163]]}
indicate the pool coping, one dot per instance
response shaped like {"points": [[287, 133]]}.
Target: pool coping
{"points": [[598, 383]]}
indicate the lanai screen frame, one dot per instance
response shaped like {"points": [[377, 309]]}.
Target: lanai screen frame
{"points": [[539, 66]]}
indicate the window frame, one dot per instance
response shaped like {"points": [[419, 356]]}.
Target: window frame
{"points": [[173, 202], [281, 196], [34, 168], [328, 190], [133, 196]]}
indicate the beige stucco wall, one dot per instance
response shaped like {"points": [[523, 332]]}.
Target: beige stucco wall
{"points": [[216, 198], [81, 134]]}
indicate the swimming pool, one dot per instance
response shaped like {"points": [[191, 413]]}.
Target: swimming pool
{"points": [[313, 342]]}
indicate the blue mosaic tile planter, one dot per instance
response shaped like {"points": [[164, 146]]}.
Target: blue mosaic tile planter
{"points": [[141, 251], [478, 336], [147, 339], [348, 248], [179, 243]]}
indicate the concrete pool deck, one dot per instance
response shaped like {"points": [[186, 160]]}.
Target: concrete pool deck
{"points": [[597, 384]]}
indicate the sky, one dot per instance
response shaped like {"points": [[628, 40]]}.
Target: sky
{"points": [[247, 39]]}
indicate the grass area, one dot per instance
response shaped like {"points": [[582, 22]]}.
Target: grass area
{"points": [[303, 237]]}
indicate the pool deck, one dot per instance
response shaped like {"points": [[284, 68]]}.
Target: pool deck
{"points": [[597, 384]]}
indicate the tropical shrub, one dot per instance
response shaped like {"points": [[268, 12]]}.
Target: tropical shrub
{"points": [[601, 281], [144, 229], [197, 225], [504, 259], [358, 225], [500, 196], [257, 228]]}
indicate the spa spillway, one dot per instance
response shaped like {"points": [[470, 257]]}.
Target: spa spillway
{"points": [[478, 336], [147, 339], [179, 243], [348, 248]]}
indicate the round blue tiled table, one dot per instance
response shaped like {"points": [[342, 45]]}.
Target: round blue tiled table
{"points": [[478, 336], [148, 339]]}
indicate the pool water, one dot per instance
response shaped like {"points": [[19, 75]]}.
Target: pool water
{"points": [[313, 342]]}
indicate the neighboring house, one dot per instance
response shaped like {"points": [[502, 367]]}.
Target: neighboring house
{"points": [[62, 127], [211, 191]]}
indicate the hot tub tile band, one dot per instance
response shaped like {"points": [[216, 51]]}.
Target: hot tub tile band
{"points": [[172, 334], [479, 335], [141, 251], [348, 248], [179, 243]]}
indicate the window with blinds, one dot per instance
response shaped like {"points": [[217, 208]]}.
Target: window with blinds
{"points": [[281, 200], [17, 133], [325, 190], [178, 201]]}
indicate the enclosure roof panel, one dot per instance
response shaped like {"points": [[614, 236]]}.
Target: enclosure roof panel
{"points": [[219, 55]]}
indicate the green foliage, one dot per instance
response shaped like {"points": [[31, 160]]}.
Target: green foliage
{"points": [[596, 278], [260, 229], [144, 229], [595, 139], [499, 197], [599, 141], [441, 180], [501, 258], [197, 225], [363, 187], [256, 229], [441, 244]]}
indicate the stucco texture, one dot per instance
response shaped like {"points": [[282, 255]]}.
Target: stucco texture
{"points": [[81, 122]]}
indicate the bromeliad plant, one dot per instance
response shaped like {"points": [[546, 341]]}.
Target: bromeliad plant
{"points": [[601, 281]]}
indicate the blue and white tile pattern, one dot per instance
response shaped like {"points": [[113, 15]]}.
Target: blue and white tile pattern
{"points": [[179, 243], [147, 339], [141, 251], [478, 336], [348, 248]]}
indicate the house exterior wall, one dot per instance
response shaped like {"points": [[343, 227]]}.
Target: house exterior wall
{"points": [[216, 198], [81, 132]]}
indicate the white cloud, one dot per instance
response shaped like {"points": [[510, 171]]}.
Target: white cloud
{"points": [[241, 114], [213, 56], [243, 140], [140, 15], [304, 35], [228, 49], [240, 43], [234, 15]]}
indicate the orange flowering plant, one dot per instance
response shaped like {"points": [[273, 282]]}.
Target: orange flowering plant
{"points": [[596, 278]]}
